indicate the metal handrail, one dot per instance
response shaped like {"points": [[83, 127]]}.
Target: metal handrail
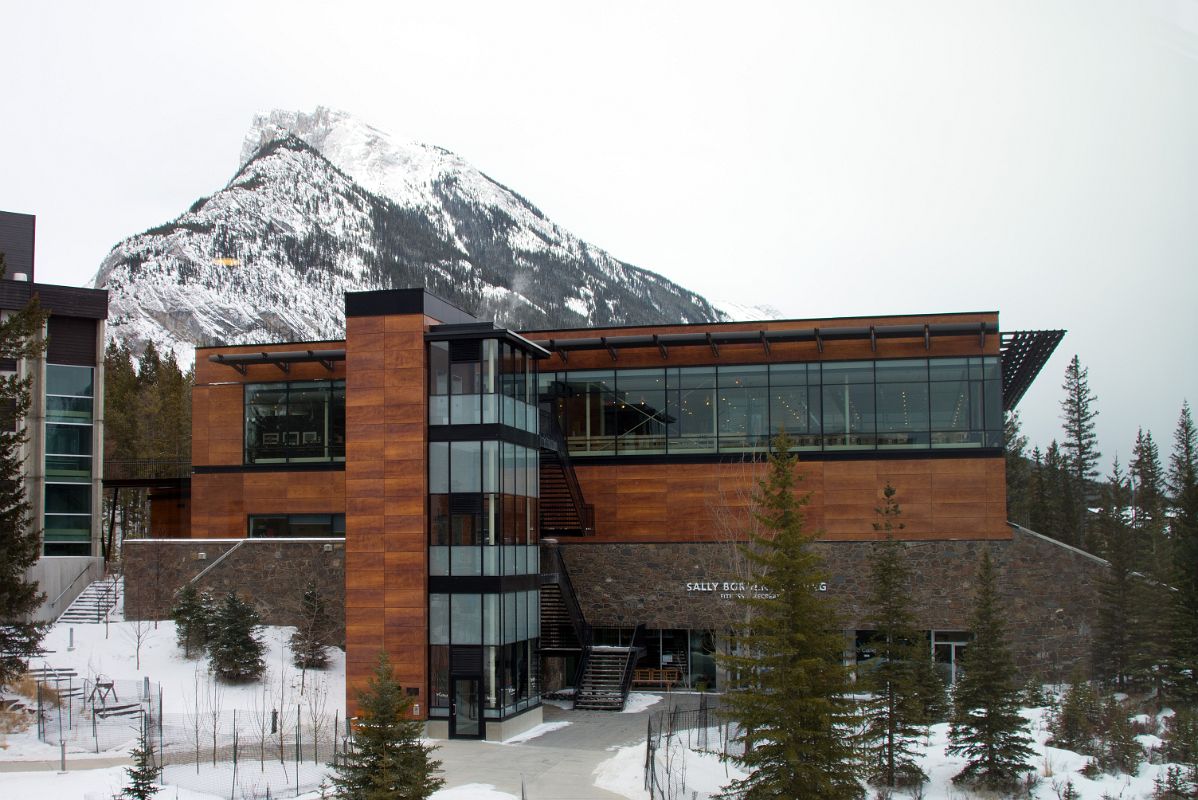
{"points": [[218, 560], [61, 594], [635, 650]]}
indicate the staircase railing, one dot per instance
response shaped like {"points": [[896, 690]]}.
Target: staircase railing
{"points": [[635, 651], [553, 440], [582, 628], [63, 593]]}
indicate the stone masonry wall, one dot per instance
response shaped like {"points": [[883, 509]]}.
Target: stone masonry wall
{"points": [[1048, 589], [269, 573]]}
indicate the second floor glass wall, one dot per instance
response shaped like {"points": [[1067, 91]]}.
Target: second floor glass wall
{"points": [[907, 404]]}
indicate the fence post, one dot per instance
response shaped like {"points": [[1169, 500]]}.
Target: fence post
{"points": [[298, 755]]}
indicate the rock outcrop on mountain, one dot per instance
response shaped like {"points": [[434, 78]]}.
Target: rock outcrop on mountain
{"points": [[324, 204]]}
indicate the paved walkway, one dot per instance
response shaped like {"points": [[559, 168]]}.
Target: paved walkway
{"points": [[558, 765]]}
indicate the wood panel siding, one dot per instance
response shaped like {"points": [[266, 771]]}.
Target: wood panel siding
{"points": [[222, 502], [386, 484], [957, 498]]}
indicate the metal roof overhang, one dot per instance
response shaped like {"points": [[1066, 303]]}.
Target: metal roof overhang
{"points": [[713, 339], [280, 358], [1024, 354]]}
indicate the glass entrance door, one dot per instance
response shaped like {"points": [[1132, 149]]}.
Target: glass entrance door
{"points": [[465, 719]]}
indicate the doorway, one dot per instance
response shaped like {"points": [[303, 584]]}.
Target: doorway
{"points": [[465, 717]]}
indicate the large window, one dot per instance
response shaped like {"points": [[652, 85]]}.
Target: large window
{"points": [[67, 521], [294, 422], [902, 404]]}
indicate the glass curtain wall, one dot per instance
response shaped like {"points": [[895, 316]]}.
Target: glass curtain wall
{"points": [[494, 632], [69, 407], [905, 404], [484, 612]]}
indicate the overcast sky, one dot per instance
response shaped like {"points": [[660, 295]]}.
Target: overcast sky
{"points": [[836, 158]]}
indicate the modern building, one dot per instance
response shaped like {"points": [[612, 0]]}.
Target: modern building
{"points": [[514, 511], [65, 424]]}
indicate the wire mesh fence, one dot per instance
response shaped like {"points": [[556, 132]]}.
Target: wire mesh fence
{"points": [[676, 737], [247, 755], [94, 714], [239, 754]]}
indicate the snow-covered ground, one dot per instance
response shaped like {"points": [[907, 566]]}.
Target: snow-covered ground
{"points": [[127, 651]]}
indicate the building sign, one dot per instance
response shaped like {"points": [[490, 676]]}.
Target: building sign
{"points": [[729, 590]]}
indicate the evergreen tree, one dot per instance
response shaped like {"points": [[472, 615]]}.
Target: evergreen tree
{"points": [[792, 701], [234, 646], [1182, 667], [1075, 727], [143, 773], [1019, 473], [1113, 642], [895, 714], [1080, 445], [986, 727], [1117, 750], [313, 635], [1148, 482], [387, 759], [192, 614], [20, 541], [1183, 462]]}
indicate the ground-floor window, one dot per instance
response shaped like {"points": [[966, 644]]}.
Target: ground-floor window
{"points": [[690, 652], [297, 525]]}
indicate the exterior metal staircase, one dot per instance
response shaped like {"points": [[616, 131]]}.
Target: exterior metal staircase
{"points": [[601, 687], [564, 512], [93, 603], [607, 675]]}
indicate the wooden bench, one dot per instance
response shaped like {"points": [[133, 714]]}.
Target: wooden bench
{"points": [[666, 678]]}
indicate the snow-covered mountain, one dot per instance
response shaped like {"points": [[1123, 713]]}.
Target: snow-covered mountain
{"points": [[325, 204]]}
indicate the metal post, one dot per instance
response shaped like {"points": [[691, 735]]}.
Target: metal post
{"points": [[62, 749], [297, 750]]}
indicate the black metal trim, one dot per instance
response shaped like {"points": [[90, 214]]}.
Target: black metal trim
{"points": [[387, 302], [482, 584], [222, 469], [483, 330], [66, 301], [802, 455], [491, 432]]}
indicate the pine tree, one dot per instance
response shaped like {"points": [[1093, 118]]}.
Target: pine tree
{"points": [[1113, 643], [986, 727], [1080, 444], [20, 541], [192, 614], [792, 700], [1075, 726], [895, 714], [387, 759], [1183, 462], [1182, 667], [1019, 475], [313, 634], [1148, 482], [234, 646], [143, 773]]}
